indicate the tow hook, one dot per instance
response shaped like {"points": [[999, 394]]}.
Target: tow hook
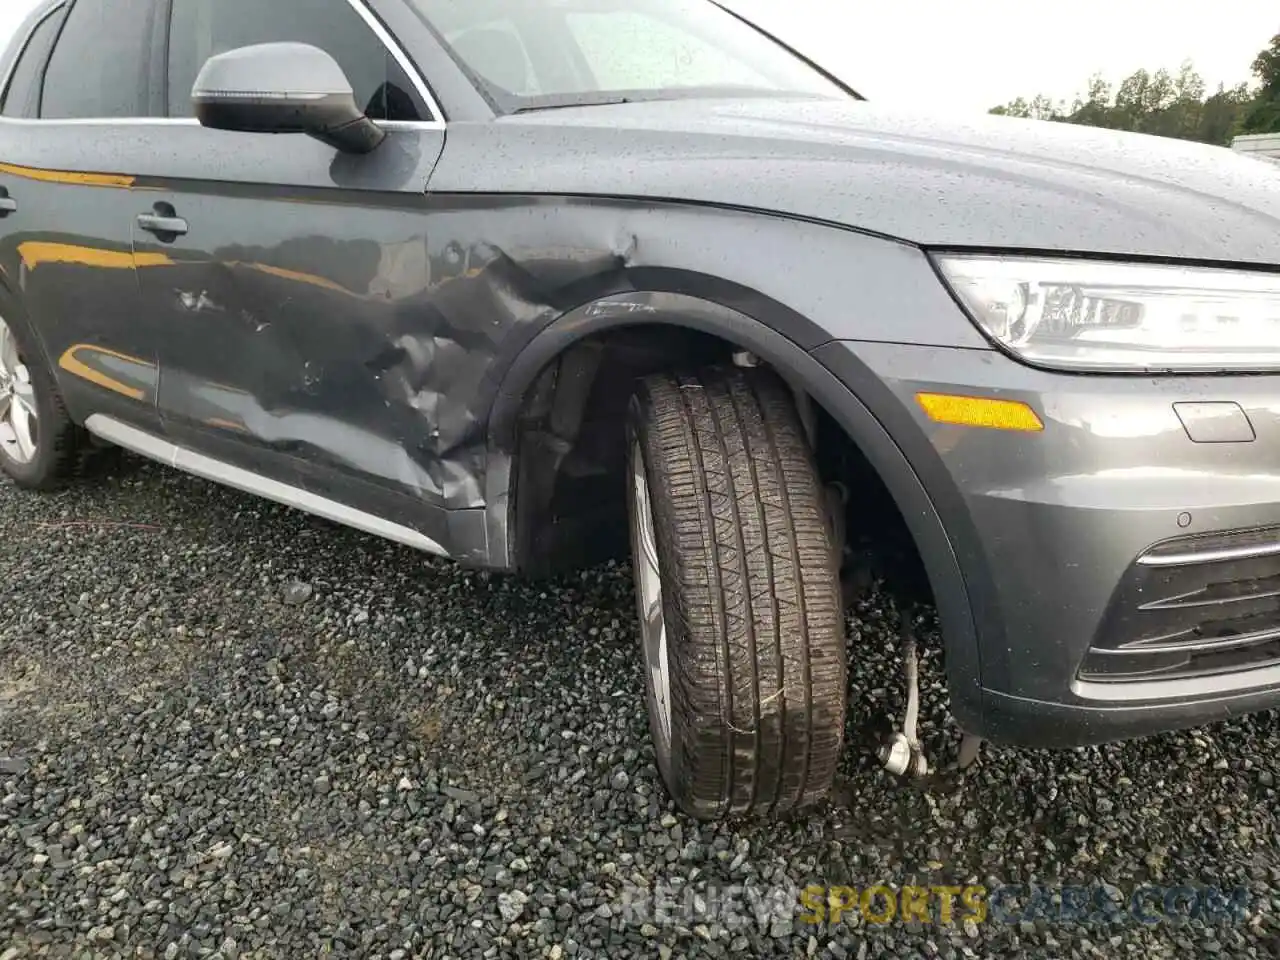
{"points": [[901, 754]]}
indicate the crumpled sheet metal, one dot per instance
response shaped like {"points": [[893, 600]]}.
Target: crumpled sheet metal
{"points": [[407, 363], [385, 367]]}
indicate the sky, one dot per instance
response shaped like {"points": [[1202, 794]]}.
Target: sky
{"points": [[976, 54], [970, 56]]}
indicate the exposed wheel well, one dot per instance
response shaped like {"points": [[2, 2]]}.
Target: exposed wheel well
{"points": [[569, 489]]}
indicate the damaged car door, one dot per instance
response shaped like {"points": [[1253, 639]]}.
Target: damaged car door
{"points": [[293, 268]]}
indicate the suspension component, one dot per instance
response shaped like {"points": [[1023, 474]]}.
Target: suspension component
{"points": [[969, 747], [902, 754]]}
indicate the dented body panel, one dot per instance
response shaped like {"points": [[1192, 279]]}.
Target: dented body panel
{"points": [[337, 324], [301, 340], [440, 338]]}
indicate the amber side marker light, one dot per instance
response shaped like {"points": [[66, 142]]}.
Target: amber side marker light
{"points": [[980, 412]]}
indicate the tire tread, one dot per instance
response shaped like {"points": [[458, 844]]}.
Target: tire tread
{"points": [[752, 597]]}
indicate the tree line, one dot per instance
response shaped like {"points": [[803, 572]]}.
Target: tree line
{"points": [[1170, 105]]}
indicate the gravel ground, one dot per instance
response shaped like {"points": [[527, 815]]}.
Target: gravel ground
{"points": [[229, 729]]}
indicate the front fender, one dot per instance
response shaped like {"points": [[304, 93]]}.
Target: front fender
{"points": [[804, 371]]}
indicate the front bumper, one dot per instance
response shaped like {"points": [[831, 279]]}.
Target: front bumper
{"points": [[1122, 578]]}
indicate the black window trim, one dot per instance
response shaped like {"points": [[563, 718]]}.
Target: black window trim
{"points": [[361, 9], [58, 9]]}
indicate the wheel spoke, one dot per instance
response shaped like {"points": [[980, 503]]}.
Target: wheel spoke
{"points": [[653, 627], [648, 547], [23, 389], [653, 611], [24, 427], [19, 432], [8, 352], [27, 403]]}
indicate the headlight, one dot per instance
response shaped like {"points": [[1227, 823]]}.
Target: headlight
{"points": [[1094, 315]]}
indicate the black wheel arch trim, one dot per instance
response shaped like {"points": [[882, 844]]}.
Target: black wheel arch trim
{"points": [[801, 368], [12, 304]]}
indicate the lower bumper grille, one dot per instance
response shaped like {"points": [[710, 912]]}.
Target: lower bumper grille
{"points": [[1194, 606]]}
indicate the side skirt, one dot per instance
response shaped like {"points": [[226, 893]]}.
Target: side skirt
{"points": [[207, 468]]}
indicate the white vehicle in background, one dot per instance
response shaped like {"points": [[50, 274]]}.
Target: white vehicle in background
{"points": [[1264, 146]]}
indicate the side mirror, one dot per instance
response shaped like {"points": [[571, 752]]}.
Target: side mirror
{"points": [[283, 88]]}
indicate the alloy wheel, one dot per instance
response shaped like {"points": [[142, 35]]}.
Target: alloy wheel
{"points": [[18, 417], [653, 625]]}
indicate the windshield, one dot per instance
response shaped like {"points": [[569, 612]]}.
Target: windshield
{"points": [[539, 54]]}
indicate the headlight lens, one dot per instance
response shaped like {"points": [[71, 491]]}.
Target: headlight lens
{"points": [[1094, 315]]}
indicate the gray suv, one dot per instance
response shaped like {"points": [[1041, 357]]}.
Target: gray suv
{"points": [[531, 283]]}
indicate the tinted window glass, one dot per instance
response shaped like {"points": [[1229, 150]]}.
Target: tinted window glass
{"points": [[531, 54], [202, 28], [23, 96], [634, 51], [99, 64], [497, 53]]}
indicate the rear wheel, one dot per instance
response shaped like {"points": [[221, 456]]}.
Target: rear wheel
{"points": [[738, 594], [39, 445]]}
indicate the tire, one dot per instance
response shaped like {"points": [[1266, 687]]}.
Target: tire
{"points": [[26, 379], [750, 719]]}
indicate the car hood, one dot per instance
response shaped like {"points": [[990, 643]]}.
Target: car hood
{"points": [[982, 181]]}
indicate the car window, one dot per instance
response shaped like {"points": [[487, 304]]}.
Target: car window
{"points": [[99, 65], [22, 99], [495, 51], [201, 29], [634, 51], [537, 54]]}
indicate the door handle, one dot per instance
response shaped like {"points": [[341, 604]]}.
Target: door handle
{"points": [[8, 205], [165, 228], [164, 222]]}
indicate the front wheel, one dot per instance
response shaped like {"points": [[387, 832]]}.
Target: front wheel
{"points": [[738, 594]]}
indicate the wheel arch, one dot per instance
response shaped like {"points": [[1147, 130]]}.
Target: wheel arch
{"points": [[12, 304], [735, 324]]}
